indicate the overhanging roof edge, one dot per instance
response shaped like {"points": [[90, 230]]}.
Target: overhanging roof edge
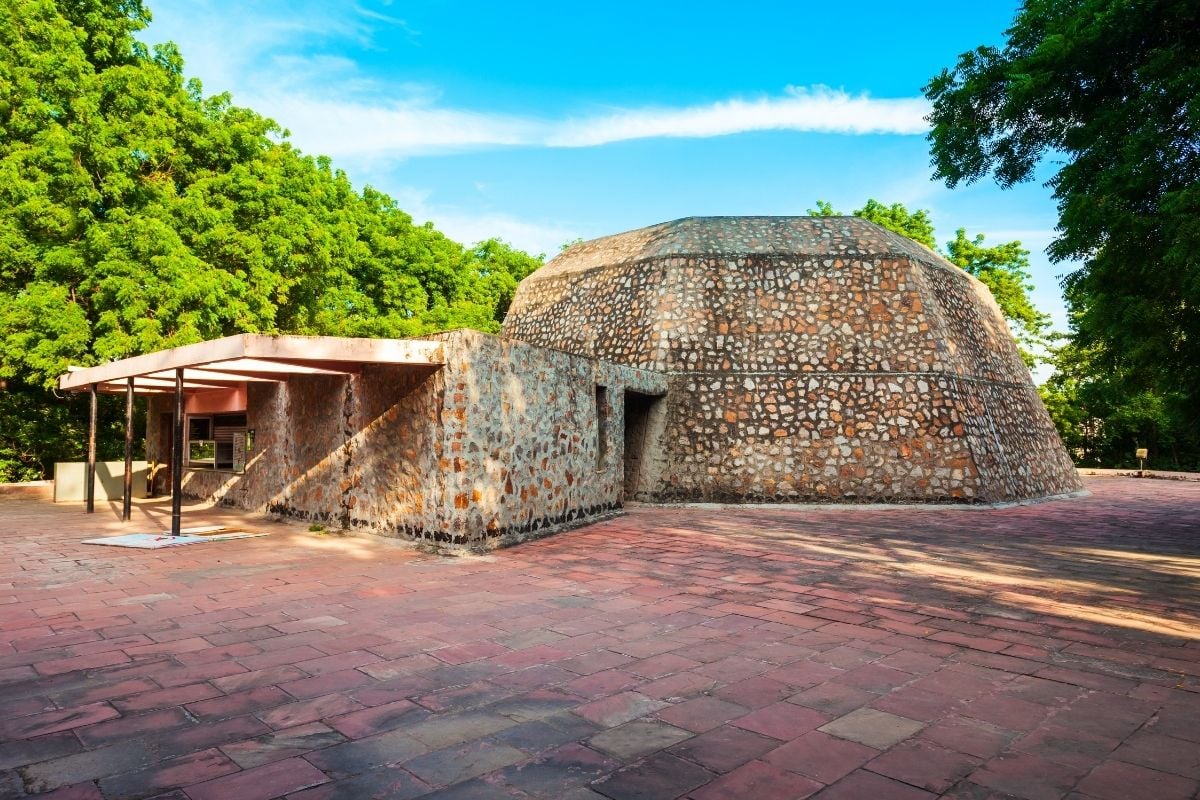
{"points": [[260, 346]]}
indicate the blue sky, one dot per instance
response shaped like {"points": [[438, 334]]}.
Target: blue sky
{"points": [[540, 125]]}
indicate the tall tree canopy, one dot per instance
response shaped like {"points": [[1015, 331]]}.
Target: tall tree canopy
{"points": [[1003, 268], [1110, 91], [136, 213]]}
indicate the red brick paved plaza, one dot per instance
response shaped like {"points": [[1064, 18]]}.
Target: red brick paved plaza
{"points": [[1034, 652]]}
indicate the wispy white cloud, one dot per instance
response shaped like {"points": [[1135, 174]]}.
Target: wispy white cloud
{"points": [[359, 130], [387, 19], [358, 127], [818, 109]]}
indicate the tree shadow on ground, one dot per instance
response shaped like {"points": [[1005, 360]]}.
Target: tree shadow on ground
{"points": [[1118, 569]]}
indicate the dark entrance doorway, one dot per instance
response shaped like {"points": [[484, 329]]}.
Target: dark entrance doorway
{"points": [[644, 457], [160, 481]]}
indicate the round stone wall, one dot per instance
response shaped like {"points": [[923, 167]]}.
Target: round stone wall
{"points": [[808, 359]]}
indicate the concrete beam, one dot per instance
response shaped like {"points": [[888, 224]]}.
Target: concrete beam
{"points": [[322, 352]]}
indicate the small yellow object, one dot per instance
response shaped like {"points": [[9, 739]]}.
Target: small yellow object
{"points": [[1141, 452]]}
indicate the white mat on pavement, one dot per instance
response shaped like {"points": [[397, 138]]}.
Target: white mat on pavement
{"points": [[154, 541]]}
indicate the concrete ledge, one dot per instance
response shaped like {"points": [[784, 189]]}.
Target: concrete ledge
{"points": [[70, 480], [1146, 473], [42, 490]]}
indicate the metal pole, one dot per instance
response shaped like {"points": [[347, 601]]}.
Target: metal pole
{"points": [[127, 504], [177, 457], [90, 488]]}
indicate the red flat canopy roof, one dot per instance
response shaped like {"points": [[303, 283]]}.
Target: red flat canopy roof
{"points": [[249, 357]]}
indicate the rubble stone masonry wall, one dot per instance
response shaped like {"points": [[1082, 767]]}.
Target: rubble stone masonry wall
{"points": [[495, 445], [807, 359], [521, 446]]}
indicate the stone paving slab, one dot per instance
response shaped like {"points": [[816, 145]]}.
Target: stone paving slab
{"points": [[1044, 651]]}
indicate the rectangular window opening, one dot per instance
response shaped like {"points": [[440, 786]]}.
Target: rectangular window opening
{"points": [[216, 441]]}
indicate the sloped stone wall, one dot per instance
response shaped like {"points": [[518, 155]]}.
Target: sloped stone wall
{"points": [[611, 313], [978, 342]]}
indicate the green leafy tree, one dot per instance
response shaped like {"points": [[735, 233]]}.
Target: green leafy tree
{"points": [[824, 209], [35, 431], [1103, 424], [136, 213], [498, 269], [916, 225], [1003, 268], [1106, 89]]}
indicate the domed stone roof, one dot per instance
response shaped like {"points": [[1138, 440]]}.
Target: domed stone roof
{"points": [[733, 236], [808, 358]]}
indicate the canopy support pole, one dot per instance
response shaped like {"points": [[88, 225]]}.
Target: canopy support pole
{"points": [[127, 503], [177, 457], [90, 488]]}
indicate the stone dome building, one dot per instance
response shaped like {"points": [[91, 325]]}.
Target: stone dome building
{"points": [[807, 359]]}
